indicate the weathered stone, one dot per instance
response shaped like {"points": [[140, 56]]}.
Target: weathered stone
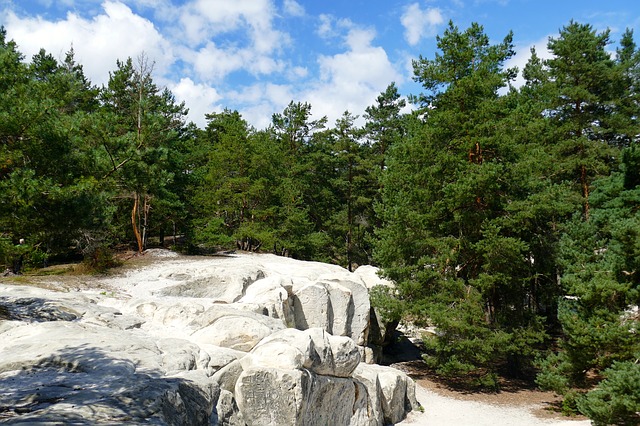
{"points": [[272, 294], [271, 396], [228, 412], [315, 349], [311, 305], [223, 284], [274, 354], [179, 354], [348, 399], [198, 341], [354, 320], [231, 328], [90, 374], [394, 391], [227, 376], [216, 357]]}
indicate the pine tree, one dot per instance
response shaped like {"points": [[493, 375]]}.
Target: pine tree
{"points": [[448, 239], [138, 126]]}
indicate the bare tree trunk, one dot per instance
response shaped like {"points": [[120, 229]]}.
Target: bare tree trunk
{"points": [[145, 220], [134, 221]]}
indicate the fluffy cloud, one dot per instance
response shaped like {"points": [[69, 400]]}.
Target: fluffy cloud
{"points": [[202, 19], [420, 23], [203, 54], [293, 8], [231, 36], [351, 79], [199, 98], [117, 33]]}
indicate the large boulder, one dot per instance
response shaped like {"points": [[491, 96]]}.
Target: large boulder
{"points": [[224, 284], [292, 375], [336, 303], [272, 296], [225, 326], [272, 396], [392, 391], [312, 349], [380, 330]]}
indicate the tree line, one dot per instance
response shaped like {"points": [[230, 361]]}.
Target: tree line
{"points": [[507, 216]]}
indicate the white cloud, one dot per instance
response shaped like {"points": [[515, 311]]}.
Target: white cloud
{"points": [[297, 72], [117, 33], [202, 20], [522, 56], [211, 63], [207, 44], [325, 29], [293, 8], [231, 36], [352, 79], [199, 98], [420, 23], [261, 100]]}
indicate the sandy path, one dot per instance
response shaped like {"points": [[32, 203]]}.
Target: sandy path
{"points": [[442, 410]]}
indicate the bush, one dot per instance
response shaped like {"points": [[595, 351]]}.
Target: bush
{"points": [[101, 259], [616, 400], [385, 301]]}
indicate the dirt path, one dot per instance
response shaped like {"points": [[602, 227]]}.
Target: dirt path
{"points": [[518, 404], [461, 410]]}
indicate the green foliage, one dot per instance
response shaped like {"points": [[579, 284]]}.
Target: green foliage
{"points": [[599, 258], [101, 259], [385, 300], [450, 194], [616, 400], [505, 215]]}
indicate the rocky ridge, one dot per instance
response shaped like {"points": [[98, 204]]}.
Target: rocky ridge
{"points": [[233, 340]]}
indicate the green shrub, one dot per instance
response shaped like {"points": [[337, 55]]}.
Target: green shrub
{"points": [[616, 400], [385, 301], [101, 259]]}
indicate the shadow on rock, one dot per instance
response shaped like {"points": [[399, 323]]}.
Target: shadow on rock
{"points": [[402, 349], [84, 385]]}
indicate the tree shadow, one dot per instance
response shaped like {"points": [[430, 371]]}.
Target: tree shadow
{"points": [[406, 355], [84, 385], [33, 309]]}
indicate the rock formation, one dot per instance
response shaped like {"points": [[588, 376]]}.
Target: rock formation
{"points": [[240, 340]]}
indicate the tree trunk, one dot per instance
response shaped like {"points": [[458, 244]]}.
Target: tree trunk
{"points": [[134, 221], [145, 220]]}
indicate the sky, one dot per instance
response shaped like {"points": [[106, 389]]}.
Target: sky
{"points": [[256, 56]]}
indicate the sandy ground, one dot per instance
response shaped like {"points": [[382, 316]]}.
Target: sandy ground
{"points": [[446, 408]]}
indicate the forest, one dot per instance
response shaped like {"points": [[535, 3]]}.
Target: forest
{"points": [[509, 217]]}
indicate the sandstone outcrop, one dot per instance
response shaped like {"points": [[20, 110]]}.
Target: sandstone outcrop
{"points": [[245, 339]]}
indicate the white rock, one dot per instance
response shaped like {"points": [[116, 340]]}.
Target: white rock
{"points": [[157, 345], [371, 278], [272, 294], [311, 305], [237, 332], [394, 390]]}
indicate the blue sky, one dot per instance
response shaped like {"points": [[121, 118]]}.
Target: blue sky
{"points": [[256, 56]]}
